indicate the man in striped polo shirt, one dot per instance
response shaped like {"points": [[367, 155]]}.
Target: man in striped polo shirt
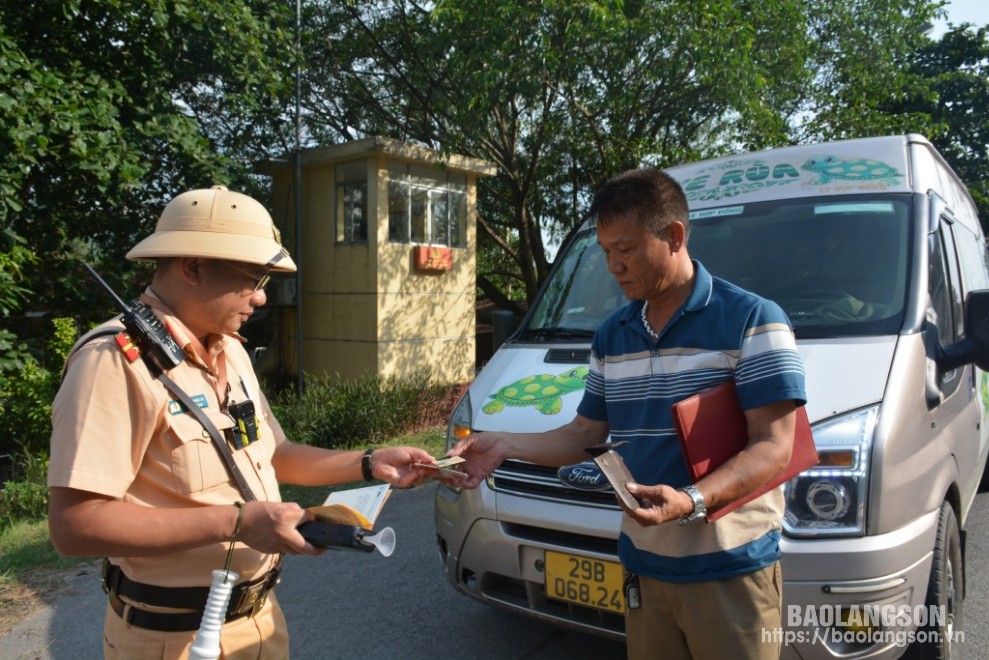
{"points": [[705, 589]]}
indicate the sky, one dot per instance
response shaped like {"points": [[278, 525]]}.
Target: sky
{"points": [[964, 11]]}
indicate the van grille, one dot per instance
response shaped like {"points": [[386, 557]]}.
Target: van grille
{"points": [[537, 481]]}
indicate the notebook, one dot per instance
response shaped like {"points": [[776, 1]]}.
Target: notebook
{"points": [[711, 427]]}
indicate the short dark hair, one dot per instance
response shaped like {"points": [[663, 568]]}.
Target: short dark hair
{"points": [[647, 195]]}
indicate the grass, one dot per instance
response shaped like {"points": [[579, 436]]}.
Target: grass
{"points": [[26, 547], [29, 565]]}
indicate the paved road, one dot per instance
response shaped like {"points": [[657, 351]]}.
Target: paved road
{"points": [[349, 604]]}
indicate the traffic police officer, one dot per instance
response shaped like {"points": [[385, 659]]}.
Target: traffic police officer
{"points": [[137, 478]]}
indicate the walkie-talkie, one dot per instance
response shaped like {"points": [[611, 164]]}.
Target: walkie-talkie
{"points": [[146, 329]]}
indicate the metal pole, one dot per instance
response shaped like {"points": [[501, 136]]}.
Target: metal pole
{"points": [[297, 165]]}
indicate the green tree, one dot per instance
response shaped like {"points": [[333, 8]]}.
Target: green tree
{"points": [[861, 53], [949, 105], [26, 394], [14, 257], [110, 107], [563, 94], [903, 82]]}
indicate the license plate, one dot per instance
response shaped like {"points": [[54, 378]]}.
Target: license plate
{"points": [[590, 582]]}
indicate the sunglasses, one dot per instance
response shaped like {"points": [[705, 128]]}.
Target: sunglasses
{"points": [[260, 281]]}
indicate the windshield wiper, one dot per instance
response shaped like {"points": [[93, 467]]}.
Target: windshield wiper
{"points": [[558, 333]]}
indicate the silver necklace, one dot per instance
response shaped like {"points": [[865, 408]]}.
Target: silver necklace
{"points": [[645, 322]]}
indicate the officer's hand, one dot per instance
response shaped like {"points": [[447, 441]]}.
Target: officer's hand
{"points": [[270, 527], [658, 504], [398, 466]]}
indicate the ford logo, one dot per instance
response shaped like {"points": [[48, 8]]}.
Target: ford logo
{"points": [[583, 476]]}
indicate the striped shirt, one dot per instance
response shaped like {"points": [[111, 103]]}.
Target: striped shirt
{"points": [[721, 332]]}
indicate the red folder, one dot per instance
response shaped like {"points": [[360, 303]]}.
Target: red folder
{"points": [[711, 427]]}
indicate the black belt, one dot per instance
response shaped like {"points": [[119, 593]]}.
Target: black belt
{"points": [[246, 599], [160, 621]]}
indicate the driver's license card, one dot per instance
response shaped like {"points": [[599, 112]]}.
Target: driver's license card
{"points": [[445, 464]]}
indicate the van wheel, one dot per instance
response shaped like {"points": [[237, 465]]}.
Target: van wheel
{"points": [[935, 641]]}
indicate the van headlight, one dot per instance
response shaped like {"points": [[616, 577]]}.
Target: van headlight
{"points": [[459, 427], [830, 498], [460, 422]]}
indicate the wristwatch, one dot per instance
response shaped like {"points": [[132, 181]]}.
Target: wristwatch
{"points": [[366, 471], [700, 509]]}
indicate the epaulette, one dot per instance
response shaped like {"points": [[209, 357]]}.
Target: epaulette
{"points": [[103, 331], [127, 345]]}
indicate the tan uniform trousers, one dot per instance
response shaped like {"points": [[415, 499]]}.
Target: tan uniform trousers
{"points": [[708, 620], [261, 637]]}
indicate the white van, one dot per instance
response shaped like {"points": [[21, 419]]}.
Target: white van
{"points": [[874, 249]]}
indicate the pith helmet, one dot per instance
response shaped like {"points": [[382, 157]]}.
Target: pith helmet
{"points": [[218, 224]]}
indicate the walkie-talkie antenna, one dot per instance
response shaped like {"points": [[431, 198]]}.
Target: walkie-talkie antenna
{"points": [[124, 307]]}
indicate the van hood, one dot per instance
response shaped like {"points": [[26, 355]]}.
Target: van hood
{"points": [[519, 391], [845, 374]]}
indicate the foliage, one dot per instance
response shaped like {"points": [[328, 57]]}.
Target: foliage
{"points": [[948, 105], [26, 394], [861, 54], [564, 94], [904, 83], [14, 256], [12, 354], [26, 406], [25, 425], [109, 108], [335, 413], [26, 498]]}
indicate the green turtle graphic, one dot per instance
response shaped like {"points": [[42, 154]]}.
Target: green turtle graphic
{"points": [[832, 168], [542, 391]]}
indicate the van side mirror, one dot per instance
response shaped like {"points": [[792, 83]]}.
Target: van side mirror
{"points": [[975, 346], [503, 325]]}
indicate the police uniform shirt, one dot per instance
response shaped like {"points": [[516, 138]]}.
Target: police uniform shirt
{"points": [[118, 432]]}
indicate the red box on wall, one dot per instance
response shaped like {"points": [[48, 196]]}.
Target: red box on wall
{"points": [[431, 258]]}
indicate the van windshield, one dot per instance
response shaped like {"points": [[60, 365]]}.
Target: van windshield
{"points": [[837, 266]]}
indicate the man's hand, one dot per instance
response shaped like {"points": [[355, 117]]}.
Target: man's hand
{"points": [[397, 466], [483, 453], [659, 504], [270, 527]]}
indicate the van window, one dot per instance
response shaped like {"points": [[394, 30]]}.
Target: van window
{"points": [[838, 266], [579, 295], [972, 257], [940, 287], [955, 278], [945, 296]]}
